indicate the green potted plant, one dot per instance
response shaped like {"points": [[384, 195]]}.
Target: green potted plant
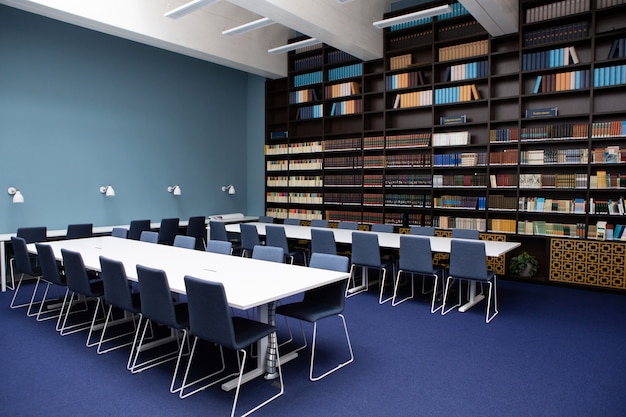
{"points": [[524, 265]]}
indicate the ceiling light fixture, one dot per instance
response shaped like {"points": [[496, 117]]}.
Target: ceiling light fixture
{"points": [[17, 195], [294, 46], [247, 27], [435, 11], [187, 8]]}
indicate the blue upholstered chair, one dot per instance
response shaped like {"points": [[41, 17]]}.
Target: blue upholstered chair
{"points": [[321, 303], [23, 264], [210, 319], [79, 230], [118, 293], [319, 223], [268, 253], [196, 227], [187, 242], [168, 230], [468, 262], [348, 225], [80, 283], [266, 219], [249, 238], [219, 246], [416, 258], [217, 231], [465, 234], [158, 307], [275, 236], [380, 227], [30, 235], [323, 241], [422, 230], [149, 236], [136, 227], [120, 232], [366, 256], [293, 222], [51, 275]]}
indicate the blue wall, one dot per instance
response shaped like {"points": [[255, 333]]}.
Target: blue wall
{"points": [[80, 109]]}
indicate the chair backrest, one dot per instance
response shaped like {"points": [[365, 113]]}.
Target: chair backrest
{"points": [[33, 234], [119, 232], [293, 222], [379, 227], [416, 254], [423, 230], [365, 249], [49, 265], [468, 259], [323, 241], [268, 253], [465, 234], [116, 289], [196, 227], [75, 273], [149, 236], [266, 219], [168, 230], [331, 295], [79, 230], [136, 227], [276, 236], [156, 298], [249, 236], [219, 246], [209, 315], [217, 231], [188, 242], [319, 223], [21, 256], [348, 225]]}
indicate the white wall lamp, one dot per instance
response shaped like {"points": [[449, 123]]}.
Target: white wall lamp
{"points": [[17, 195], [187, 8], [230, 188], [247, 27], [294, 46], [174, 189], [422, 14], [107, 190]]}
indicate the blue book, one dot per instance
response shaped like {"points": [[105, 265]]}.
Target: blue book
{"points": [[537, 85]]}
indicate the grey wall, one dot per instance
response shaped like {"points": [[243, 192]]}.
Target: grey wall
{"points": [[80, 109]]}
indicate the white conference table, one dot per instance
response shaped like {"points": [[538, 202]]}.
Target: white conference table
{"points": [[392, 241], [248, 283]]}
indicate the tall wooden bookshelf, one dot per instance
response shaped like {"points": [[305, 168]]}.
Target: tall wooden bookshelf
{"points": [[519, 135]]}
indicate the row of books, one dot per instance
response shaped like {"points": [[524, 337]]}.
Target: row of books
{"points": [[351, 199], [554, 156], [549, 205], [562, 81], [346, 107], [409, 161], [474, 180], [607, 76], [447, 222], [501, 202], [558, 9], [373, 200], [536, 180], [456, 94], [413, 99], [464, 50], [408, 180], [373, 180], [608, 155], [373, 161], [451, 138], [543, 228], [413, 218], [346, 216], [562, 33], [560, 131], [294, 148], [601, 4], [411, 140], [460, 30], [552, 58], [310, 112], [408, 200], [303, 214], [608, 231], [457, 9], [604, 180], [342, 89], [467, 71], [502, 225], [411, 40], [306, 181], [337, 56], [298, 198], [312, 61], [458, 159], [347, 71], [400, 61], [374, 142], [509, 134], [460, 202], [302, 96], [618, 49], [504, 157], [309, 78], [342, 144], [615, 128], [347, 180], [344, 162], [404, 80], [611, 206], [503, 180], [300, 164]]}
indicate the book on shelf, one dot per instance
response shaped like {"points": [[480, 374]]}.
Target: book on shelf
{"points": [[279, 134], [537, 84], [541, 112], [453, 120], [617, 49]]}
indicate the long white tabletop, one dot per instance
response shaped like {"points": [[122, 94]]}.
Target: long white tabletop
{"points": [[385, 240]]}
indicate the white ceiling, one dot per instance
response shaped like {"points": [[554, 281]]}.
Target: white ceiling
{"points": [[343, 24]]}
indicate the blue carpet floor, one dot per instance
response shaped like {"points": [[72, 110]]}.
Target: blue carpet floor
{"points": [[551, 351]]}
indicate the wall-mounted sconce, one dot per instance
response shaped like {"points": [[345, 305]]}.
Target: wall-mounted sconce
{"points": [[174, 189], [230, 188], [107, 190], [17, 194]]}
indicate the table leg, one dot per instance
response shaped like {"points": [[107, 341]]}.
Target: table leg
{"points": [[473, 298]]}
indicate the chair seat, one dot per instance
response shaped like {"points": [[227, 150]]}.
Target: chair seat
{"points": [[97, 288], [309, 312], [248, 331]]}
